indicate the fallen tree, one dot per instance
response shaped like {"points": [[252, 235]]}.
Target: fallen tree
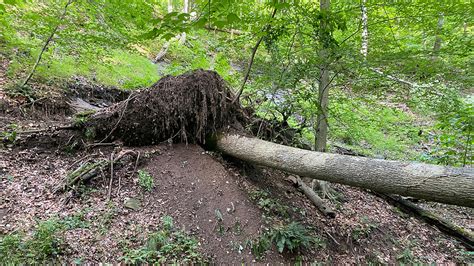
{"points": [[194, 106], [431, 182]]}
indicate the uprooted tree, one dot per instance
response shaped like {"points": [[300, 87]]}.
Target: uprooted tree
{"points": [[197, 107]]}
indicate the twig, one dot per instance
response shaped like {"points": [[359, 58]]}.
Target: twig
{"points": [[77, 161], [93, 145], [53, 32], [70, 127], [136, 163], [333, 239], [111, 174], [252, 57], [120, 118]]}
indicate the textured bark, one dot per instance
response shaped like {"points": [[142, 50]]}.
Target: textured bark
{"points": [[431, 182]]}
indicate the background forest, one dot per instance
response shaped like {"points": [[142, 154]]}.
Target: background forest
{"points": [[398, 73]]}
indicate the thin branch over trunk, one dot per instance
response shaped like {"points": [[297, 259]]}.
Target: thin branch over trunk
{"points": [[252, 57], [48, 41]]}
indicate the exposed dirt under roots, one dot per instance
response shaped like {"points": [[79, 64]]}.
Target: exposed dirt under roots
{"points": [[188, 107]]}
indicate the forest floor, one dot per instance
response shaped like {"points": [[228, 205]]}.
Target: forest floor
{"points": [[225, 205]]}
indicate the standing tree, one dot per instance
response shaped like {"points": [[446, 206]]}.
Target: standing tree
{"points": [[365, 30]]}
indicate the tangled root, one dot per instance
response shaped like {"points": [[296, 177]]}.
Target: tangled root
{"points": [[186, 108]]}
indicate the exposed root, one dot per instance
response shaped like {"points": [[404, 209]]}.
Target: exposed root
{"points": [[195, 105]]}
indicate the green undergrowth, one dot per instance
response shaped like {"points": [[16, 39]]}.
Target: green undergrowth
{"points": [[373, 128], [44, 245], [167, 244], [290, 238], [125, 69]]}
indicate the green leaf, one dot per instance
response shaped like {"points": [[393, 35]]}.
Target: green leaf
{"points": [[200, 23], [168, 36], [231, 17], [220, 23], [281, 244], [183, 16], [10, 2]]}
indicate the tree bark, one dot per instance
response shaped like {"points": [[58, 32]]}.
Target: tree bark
{"points": [[323, 86], [313, 197], [431, 182], [365, 30], [321, 133]]}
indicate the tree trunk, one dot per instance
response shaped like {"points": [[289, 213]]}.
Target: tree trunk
{"points": [[170, 6], [323, 86], [182, 38], [365, 30], [438, 40], [321, 133], [431, 182]]}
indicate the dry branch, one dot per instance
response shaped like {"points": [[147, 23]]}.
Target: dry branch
{"points": [[88, 171], [466, 237], [315, 199]]}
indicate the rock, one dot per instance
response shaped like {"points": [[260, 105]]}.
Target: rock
{"points": [[133, 204]]}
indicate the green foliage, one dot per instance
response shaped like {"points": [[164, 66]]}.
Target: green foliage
{"points": [[18, 89], [82, 117], [406, 257], [43, 246], [145, 180], [165, 246], [75, 221], [454, 136], [372, 127], [291, 237], [260, 245], [268, 204], [10, 135], [112, 42]]}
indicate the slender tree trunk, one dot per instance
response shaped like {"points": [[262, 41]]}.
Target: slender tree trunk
{"points": [[161, 54], [365, 30], [47, 42], [182, 38], [323, 86], [431, 182], [323, 92], [438, 40], [252, 57], [170, 6]]}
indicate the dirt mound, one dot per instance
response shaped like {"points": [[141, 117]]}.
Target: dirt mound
{"points": [[191, 107], [207, 200]]}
